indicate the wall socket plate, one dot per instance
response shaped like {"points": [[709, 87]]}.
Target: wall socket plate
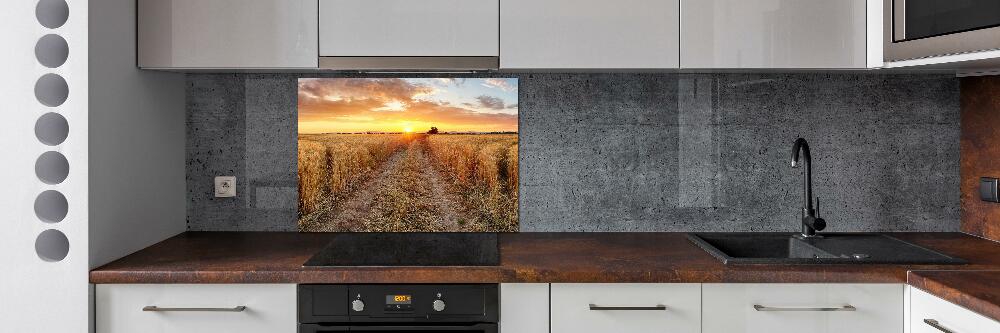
{"points": [[988, 189], [225, 186]]}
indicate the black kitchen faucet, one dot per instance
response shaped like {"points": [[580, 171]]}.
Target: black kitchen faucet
{"points": [[810, 221]]}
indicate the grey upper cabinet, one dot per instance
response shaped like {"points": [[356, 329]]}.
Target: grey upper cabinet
{"points": [[775, 34], [193, 34], [409, 28], [581, 34]]}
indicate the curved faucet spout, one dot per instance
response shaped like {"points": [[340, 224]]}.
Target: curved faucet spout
{"points": [[807, 188], [800, 145], [810, 222]]}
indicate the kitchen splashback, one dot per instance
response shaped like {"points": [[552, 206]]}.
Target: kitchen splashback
{"points": [[638, 152], [407, 155]]}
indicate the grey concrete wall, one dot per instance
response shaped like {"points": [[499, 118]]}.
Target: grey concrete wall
{"points": [[640, 152]]}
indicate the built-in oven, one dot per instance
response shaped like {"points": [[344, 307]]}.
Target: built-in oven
{"points": [[386, 308], [928, 28]]}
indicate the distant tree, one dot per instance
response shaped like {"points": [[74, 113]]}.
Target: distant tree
{"points": [[434, 130]]}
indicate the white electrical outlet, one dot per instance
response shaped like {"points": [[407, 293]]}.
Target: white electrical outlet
{"points": [[225, 187]]}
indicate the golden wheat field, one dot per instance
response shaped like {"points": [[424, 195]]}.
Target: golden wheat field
{"points": [[408, 182]]}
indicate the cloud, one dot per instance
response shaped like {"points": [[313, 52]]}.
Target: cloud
{"points": [[512, 106], [359, 105], [490, 102], [383, 89], [499, 84], [446, 81]]}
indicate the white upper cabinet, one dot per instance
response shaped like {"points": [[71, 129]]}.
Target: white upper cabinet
{"points": [[227, 34], [409, 28], [626, 34], [777, 33]]}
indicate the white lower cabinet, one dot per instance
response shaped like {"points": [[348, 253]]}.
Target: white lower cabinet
{"points": [[930, 314], [625, 308], [802, 308], [569, 308], [524, 308], [190, 308]]}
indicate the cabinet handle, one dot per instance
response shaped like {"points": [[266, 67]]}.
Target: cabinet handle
{"points": [[935, 324], [657, 307], [759, 307], [154, 308]]}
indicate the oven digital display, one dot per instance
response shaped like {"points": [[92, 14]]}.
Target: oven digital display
{"points": [[398, 299]]}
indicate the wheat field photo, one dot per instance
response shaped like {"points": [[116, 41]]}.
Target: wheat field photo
{"points": [[397, 155]]}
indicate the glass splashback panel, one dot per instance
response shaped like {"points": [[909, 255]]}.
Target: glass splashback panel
{"points": [[408, 154]]}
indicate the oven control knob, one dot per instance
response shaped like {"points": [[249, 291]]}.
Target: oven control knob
{"points": [[438, 305], [358, 305]]}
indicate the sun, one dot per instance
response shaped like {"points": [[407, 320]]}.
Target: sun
{"points": [[408, 130]]}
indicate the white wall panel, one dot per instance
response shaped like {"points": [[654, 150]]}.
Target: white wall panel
{"points": [[38, 295], [137, 186]]}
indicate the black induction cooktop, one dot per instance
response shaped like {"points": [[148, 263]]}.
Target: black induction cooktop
{"points": [[408, 249]]}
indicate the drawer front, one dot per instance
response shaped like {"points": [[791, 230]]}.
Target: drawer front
{"points": [[946, 315], [802, 308], [269, 308], [679, 308]]}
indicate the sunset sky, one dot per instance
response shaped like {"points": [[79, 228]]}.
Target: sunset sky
{"points": [[351, 105]]}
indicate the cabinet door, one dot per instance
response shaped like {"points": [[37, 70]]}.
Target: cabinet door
{"points": [[625, 307], [227, 33], [270, 308], [930, 314], [773, 34], [408, 28], [524, 308], [802, 308], [571, 34]]}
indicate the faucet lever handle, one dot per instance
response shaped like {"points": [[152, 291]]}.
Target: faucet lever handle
{"points": [[817, 206]]}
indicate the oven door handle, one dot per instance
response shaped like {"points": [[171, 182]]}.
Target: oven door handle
{"points": [[485, 328], [322, 329]]}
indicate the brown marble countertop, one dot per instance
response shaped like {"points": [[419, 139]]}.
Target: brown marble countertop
{"points": [[270, 257], [978, 291], [276, 257]]}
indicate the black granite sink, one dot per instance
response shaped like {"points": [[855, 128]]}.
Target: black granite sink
{"points": [[833, 248]]}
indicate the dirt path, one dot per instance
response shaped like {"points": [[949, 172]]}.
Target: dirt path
{"points": [[407, 194]]}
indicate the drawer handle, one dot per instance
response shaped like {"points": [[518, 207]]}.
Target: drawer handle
{"points": [[154, 308], [657, 307], [759, 307], [935, 324]]}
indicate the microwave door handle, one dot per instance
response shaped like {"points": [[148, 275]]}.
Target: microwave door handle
{"points": [[898, 18]]}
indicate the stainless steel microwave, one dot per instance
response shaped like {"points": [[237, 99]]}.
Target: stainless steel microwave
{"points": [[929, 28]]}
